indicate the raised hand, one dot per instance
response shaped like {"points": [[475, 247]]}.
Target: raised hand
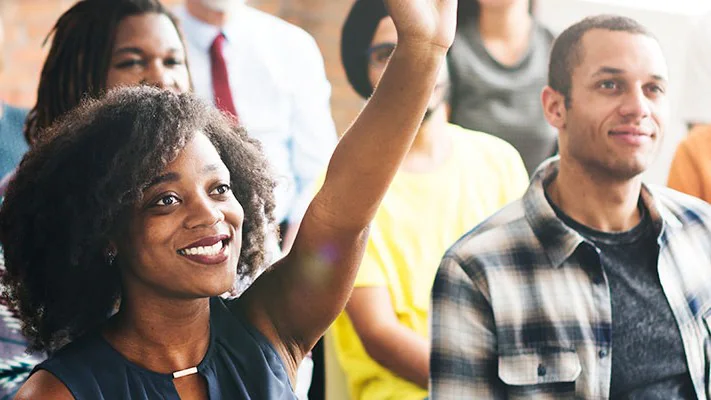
{"points": [[329, 246], [428, 21]]}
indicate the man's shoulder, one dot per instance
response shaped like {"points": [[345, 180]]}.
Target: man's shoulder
{"points": [[496, 240]]}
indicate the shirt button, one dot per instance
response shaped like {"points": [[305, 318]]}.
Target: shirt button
{"points": [[602, 353], [541, 370]]}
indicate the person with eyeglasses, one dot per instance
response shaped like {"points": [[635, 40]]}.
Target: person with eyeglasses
{"points": [[451, 179], [498, 64]]}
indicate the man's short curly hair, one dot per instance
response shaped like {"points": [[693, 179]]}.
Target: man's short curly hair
{"points": [[76, 189]]}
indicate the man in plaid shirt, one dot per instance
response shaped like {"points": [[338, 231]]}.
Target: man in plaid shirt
{"points": [[593, 285]]}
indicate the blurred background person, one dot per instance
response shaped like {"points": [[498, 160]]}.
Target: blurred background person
{"points": [[270, 75], [134, 42], [690, 170], [451, 179], [498, 65]]}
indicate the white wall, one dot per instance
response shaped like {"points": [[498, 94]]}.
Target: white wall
{"points": [[670, 21]]}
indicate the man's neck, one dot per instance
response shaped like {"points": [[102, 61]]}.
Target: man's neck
{"points": [[602, 204], [511, 24], [161, 335], [432, 146], [205, 14]]}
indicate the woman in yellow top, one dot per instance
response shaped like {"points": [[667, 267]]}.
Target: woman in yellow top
{"points": [[451, 179]]}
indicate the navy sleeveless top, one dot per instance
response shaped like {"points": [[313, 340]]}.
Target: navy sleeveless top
{"points": [[240, 363]]}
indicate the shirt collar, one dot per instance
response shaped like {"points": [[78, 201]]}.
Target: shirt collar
{"points": [[203, 34], [558, 240]]}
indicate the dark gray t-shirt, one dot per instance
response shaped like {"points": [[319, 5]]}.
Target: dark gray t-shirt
{"points": [[502, 100], [648, 359]]}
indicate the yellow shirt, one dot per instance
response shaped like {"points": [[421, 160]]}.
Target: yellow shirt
{"points": [[421, 216], [691, 169]]}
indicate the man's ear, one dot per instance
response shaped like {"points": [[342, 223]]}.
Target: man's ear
{"points": [[554, 107]]}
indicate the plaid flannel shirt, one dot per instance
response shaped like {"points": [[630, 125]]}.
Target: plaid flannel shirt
{"points": [[521, 306]]}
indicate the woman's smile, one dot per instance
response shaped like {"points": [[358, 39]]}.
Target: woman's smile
{"points": [[209, 250]]}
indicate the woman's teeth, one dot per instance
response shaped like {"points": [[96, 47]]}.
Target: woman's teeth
{"points": [[203, 250]]}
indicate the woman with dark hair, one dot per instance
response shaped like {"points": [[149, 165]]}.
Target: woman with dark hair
{"points": [[135, 212], [96, 45], [101, 44], [498, 65]]}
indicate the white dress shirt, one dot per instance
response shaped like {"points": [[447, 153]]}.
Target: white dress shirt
{"points": [[696, 98], [280, 91]]}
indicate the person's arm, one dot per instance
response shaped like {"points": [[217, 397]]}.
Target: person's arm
{"points": [[685, 174], [463, 360], [295, 302], [391, 344]]}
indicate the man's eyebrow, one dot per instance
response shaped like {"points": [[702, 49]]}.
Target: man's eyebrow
{"points": [[608, 71], [619, 71]]}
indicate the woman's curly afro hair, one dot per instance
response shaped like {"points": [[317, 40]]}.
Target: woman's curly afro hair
{"points": [[77, 187]]}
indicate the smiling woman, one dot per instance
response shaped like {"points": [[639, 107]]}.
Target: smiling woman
{"points": [[154, 201], [158, 199]]}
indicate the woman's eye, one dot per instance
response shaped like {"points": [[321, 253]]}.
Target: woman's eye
{"points": [[222, 189], [129, 64], [165, 201], [173, 61]]}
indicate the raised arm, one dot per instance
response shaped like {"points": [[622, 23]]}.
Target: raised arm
{"points": [[296, 301]]}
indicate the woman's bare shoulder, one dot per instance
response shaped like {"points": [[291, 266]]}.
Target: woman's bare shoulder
{"points": [[43, 385]]}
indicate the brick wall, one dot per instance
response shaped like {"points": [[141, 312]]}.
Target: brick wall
{"points": [[27, 22]]}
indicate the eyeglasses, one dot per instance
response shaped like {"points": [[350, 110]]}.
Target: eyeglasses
{"points": [[379, 54]]}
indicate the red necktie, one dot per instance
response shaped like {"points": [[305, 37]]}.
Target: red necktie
{"points": [[220, 78]]}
